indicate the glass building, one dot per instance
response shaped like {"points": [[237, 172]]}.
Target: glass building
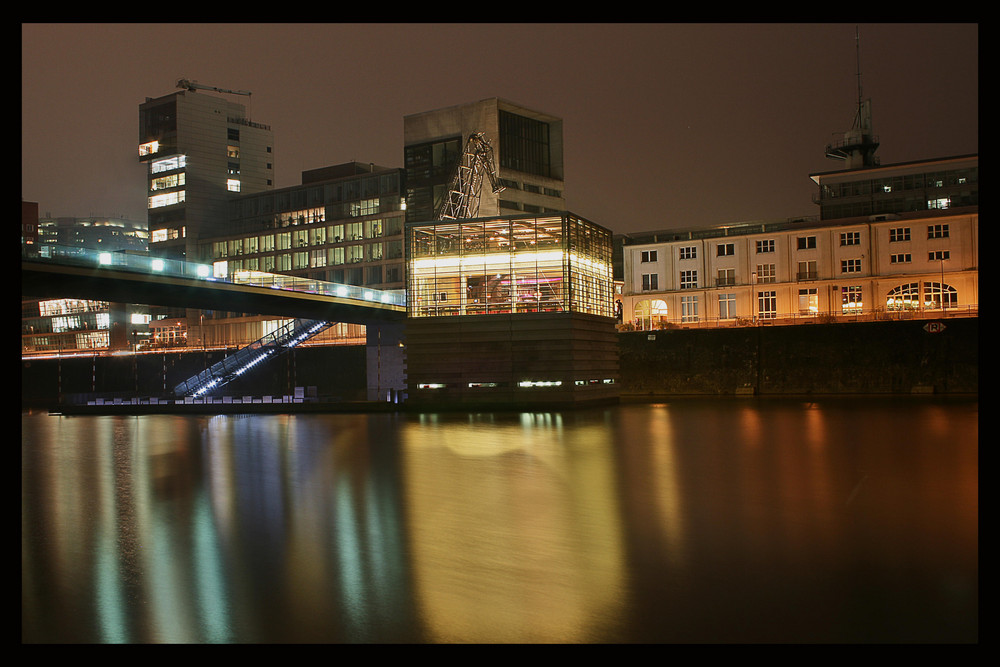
{"points": [[511, 310], [512, 264]]}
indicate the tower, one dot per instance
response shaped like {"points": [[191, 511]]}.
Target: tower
{"points": [[528, 148], [201, 151]]}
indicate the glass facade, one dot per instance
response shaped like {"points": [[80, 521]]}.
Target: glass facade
{"points": [[483, 266]]}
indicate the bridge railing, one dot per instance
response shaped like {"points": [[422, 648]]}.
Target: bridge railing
{"points": [[145, 263]]}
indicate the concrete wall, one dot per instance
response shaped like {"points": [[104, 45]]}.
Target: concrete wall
{"points": [[336, 372], [508, 349], [848, 358]]}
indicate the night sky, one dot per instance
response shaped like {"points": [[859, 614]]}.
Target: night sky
{"points": [[665, 125]]}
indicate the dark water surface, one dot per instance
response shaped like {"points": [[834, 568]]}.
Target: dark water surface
{"points": [[848, 520]]}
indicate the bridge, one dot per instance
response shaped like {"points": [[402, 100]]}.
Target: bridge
{"points": [[139, 278]]}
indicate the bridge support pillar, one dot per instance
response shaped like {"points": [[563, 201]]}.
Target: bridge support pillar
{"points": [[386, 361]]}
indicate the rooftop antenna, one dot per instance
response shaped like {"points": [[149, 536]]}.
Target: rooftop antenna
{"points": [[858, 146]]}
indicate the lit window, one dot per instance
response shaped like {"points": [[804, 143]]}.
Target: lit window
{"points": [[767, 305], [233, 184], [149, 148]]}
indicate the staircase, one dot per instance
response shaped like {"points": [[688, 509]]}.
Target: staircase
{"points": [[269, 347]]}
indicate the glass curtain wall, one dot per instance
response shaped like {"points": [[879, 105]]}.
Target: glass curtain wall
{"points": [[509, 265]]}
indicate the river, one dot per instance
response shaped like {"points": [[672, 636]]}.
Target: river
{"points": [[849, 520]]}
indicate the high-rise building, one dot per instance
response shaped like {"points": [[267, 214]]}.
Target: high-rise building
{"points": [[201, 151], [527, 144]]}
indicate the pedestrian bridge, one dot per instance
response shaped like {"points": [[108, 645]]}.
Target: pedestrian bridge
{"points": [[139, 278]]}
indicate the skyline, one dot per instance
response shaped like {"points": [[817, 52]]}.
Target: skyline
{"points": [[665, 125]]}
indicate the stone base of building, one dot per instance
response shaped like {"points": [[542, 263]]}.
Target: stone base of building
{"points": [[518, 361]]}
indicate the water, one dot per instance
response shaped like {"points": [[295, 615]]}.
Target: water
{"points": [[850, 520]]}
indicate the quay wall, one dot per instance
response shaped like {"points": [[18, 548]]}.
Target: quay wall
{"points": [[897, 357], [891, 357], [333, 373]]}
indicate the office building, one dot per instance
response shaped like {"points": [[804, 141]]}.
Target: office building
{"points": [[202, 151]]}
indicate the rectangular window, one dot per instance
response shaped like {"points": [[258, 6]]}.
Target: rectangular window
{"points": [[688, 252], [727, 306], [650, 281], [850, 299], [937, 231], [899, 234], [765, 246], [850, 265], [689, 309], [938, 255], [689, 279], [317, 258], [767, 273], [726, 277], [850, 238], [806, 242], [648, 256], [725, 250], [767, 305], [807, 270], [900, 258], [808, 301]]}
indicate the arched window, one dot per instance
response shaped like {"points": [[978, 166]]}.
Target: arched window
{"points": [[904, 297], [650, 313], [938, 295]]}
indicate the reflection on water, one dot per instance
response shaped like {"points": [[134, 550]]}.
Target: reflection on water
{"points": [[692, 521]]}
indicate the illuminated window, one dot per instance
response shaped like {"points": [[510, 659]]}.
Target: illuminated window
{"points": [[165, 182], [850, 300], [232, 151], [149, 148], [168, 164], [936, 297], [233, 184], [166, 199], [767, 305], [904, 297], [809, 301]]}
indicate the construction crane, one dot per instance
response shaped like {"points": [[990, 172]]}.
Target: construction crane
{"points": [[463, 196], [188, 84]]}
